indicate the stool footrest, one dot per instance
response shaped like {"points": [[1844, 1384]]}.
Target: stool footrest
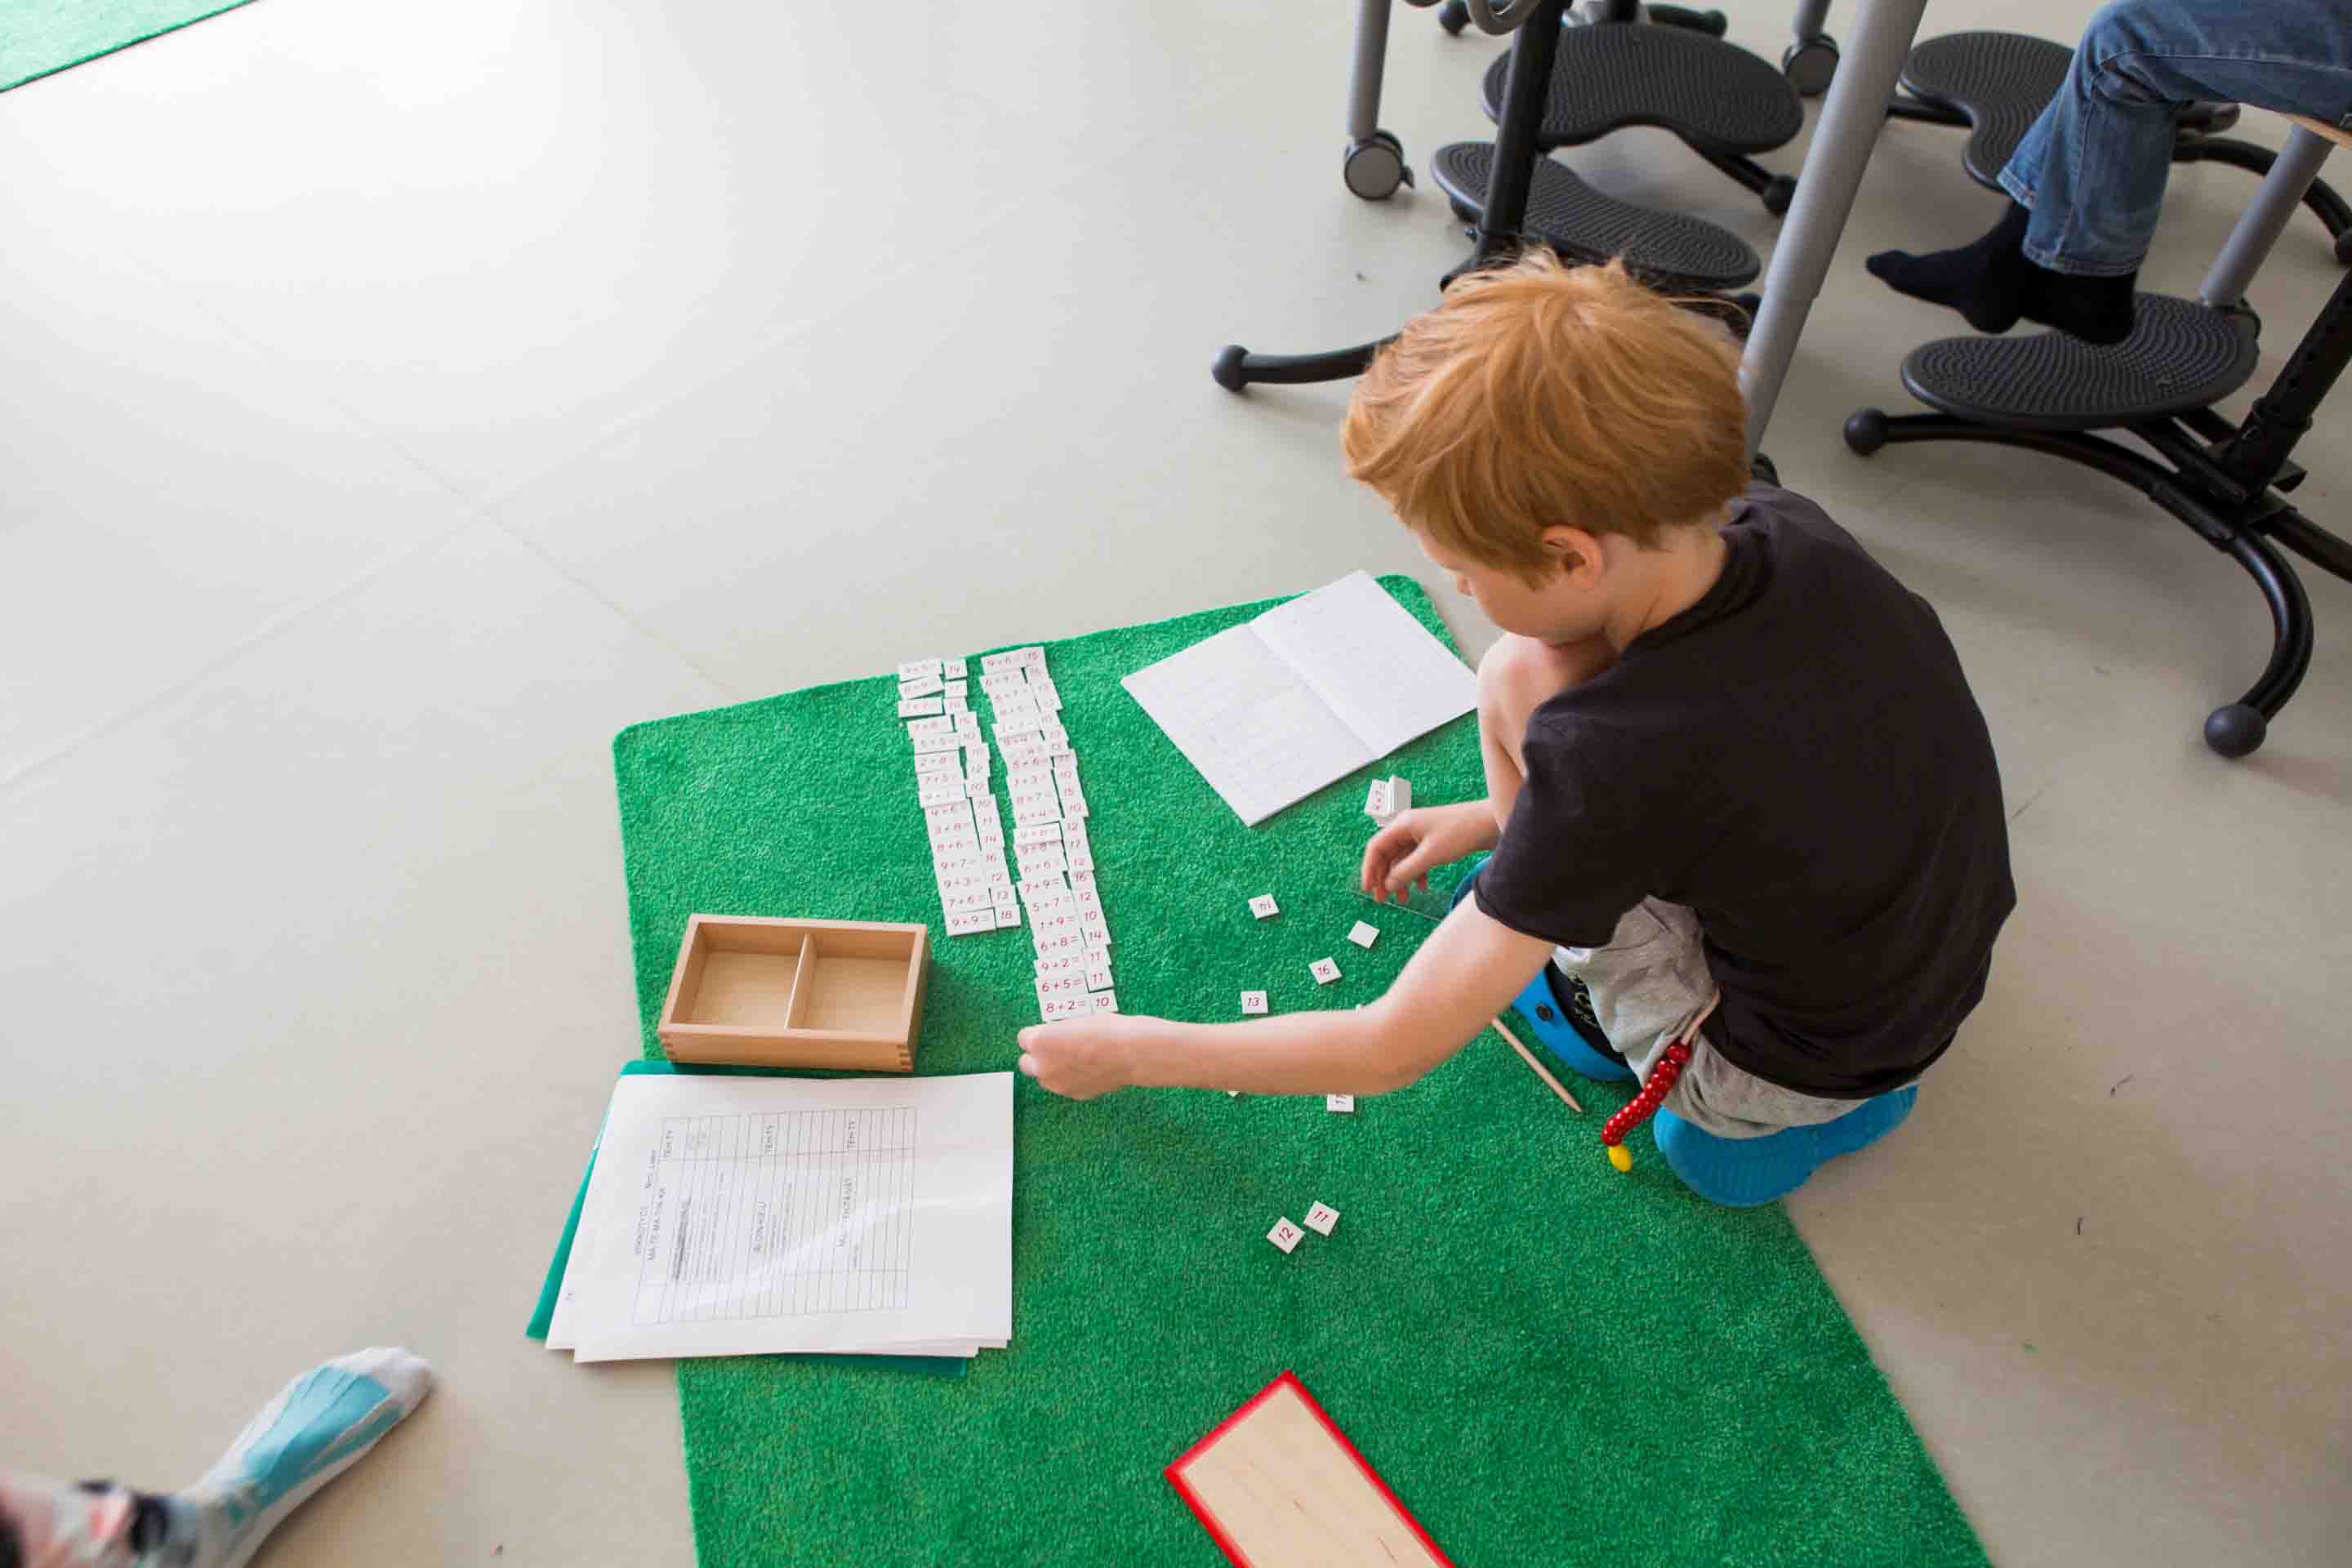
{"points": [[1610, 75], [2180, 356], [1667, 249]]}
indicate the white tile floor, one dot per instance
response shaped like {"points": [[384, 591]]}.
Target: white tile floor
{"points": [[398, 400]]}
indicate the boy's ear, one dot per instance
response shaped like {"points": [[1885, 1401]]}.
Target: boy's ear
{"points": [[1570, 548]]}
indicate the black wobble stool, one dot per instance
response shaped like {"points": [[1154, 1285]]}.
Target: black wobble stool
{"points": [[2047, 393], [1809, 62], [1667, 68], [1997, 84], [1526, 199], [1722, 102]]}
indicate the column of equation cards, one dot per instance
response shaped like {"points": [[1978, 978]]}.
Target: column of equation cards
{"points": [[1050, 845], [952, 781]]}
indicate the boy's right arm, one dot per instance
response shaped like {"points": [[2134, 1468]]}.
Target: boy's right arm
{"points": [[1469, 969], [1418, 841]]}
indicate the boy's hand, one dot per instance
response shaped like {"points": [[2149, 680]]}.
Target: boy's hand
{"points": [[1401, 855], [1084, 1058]]}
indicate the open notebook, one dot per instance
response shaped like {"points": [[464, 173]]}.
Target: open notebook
{"points": [[1273, 710]]}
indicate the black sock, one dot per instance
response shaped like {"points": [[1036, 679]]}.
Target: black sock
{"points": [[2096, 310], [1985, 281], [1993, 285]]}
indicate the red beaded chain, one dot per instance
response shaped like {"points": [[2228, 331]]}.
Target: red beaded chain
{"points": [[1639, 1109]]}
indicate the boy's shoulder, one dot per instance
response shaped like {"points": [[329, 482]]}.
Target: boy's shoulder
{"points": [[1778, 513], [1820, 579], [1802, 608]]}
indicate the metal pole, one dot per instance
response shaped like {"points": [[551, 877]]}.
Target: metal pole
{"points": [[1812, 16], [1525, 86], [1856, 108], [1364, 79], [2259, 226]]}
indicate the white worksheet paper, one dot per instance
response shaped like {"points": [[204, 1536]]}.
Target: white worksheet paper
{"points": [[560, 1337], [1272, 710], [739, 1216]]}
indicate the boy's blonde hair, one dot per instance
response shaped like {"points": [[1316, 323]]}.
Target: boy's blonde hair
{"points": [[1542, 395]]}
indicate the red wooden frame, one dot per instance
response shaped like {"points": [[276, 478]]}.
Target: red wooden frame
{"points": [[1225, 1543]]}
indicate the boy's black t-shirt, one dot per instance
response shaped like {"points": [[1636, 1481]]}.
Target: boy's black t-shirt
{"points": [[1798, 758]]}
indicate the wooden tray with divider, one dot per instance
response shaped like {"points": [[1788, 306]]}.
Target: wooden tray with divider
{"points": [[755, 992]]}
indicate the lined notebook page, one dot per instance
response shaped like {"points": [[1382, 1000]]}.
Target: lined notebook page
{"points": [[1370, 662], [1239, 713]]}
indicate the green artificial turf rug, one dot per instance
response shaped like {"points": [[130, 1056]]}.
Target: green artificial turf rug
{"points": [[1549, 1363], [41, 36]]}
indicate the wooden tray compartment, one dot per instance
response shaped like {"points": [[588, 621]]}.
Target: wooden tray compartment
{"points": [[752, 992]]}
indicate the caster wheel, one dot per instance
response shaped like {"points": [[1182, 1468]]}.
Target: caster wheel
{"points": [[1764, 468], [2235, 730], [1227, 370], [2344, 248], [1454, 16], [1809, 66], [1865, 431], [1373, 168], [1779, 194]]}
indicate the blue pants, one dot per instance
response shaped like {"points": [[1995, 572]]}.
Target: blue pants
{"points": [[2093, 167]]}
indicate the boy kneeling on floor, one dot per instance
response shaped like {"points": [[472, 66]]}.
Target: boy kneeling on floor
{"points": [[1737, 790]]}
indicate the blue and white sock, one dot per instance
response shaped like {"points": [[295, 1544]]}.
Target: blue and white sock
{"points": [[317, 1426]]}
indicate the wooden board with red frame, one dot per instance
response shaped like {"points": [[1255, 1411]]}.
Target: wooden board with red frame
{"points": [[1278, 1485]]}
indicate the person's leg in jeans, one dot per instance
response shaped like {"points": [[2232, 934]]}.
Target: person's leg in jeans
{"points": [[317, 1428], [2086, 183]]}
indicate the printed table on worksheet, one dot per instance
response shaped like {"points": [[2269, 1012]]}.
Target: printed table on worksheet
{"points": [[786, 1214], [732, 1215]]}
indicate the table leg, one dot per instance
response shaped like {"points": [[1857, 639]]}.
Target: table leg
{"points": [[1364, 79], [1826, 184]]}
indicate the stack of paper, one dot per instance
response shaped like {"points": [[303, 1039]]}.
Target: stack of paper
{"points": [[1311, 690], [748, 1215]]}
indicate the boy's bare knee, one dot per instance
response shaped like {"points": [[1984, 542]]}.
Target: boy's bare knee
{"points": [[1513, 662], [1519, 675]]}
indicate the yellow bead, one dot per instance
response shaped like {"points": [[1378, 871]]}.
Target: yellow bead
{"points": [[1621, 1156]]}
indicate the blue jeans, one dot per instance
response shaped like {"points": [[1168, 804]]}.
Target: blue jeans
{"points": [[2093, 167]]}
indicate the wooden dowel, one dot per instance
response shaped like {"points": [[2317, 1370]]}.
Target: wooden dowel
{"points": [[1528, 1057]]}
